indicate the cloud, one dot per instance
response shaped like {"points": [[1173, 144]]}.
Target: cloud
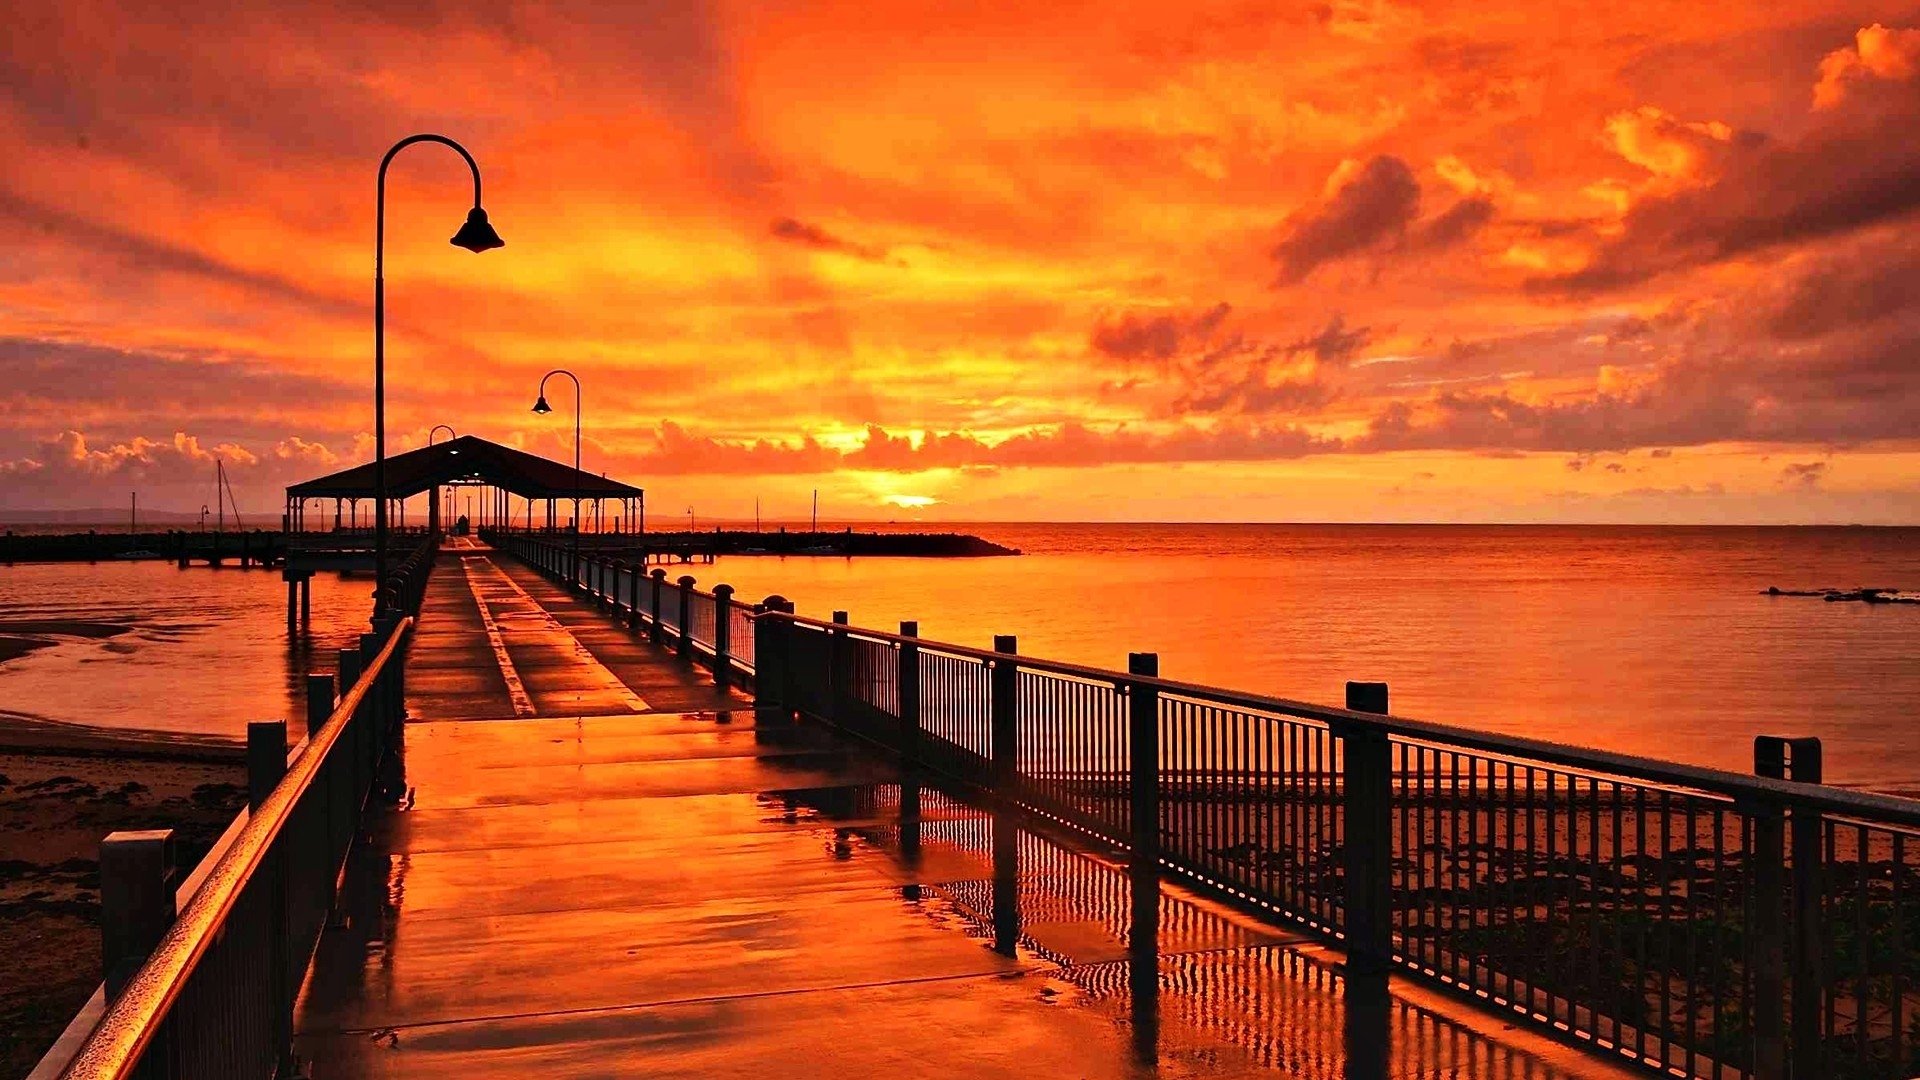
{"points": [[1069, 444], [1877, 52], [1856, 165], [67, 465], [1137, 335], [1804, 475], [804, 234], [1674, 150], [1365, 207]]}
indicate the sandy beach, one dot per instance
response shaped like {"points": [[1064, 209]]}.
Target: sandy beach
{"points": [[63, 788]]}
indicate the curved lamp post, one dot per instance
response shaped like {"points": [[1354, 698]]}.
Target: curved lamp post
{"points": [[476, 236], [540, 406], [451, 435], [689, 519]]}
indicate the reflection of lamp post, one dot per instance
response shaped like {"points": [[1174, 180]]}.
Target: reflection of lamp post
{"points": [[476, 236], [540, 406]]}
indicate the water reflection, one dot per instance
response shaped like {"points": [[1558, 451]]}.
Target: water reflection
{"points": [[1198, 988]]}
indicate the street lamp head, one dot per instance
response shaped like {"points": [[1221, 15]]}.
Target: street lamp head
{"points": [[477, 235], [541, 406]]}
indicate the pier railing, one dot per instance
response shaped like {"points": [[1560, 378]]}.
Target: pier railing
{"points": [[710, 628], [211, 992], [1699, 922]]}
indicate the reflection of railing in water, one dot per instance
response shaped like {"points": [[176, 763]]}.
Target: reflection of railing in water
{"points": [[1663, 912], [1194, 981]]}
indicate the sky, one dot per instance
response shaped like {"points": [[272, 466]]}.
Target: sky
{"points": [[1359, 260]]}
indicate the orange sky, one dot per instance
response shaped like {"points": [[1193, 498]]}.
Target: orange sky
{"points": [[1350, 260]]}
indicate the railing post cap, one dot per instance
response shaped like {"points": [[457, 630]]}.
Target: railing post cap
{"points": [[909, 628], [686, 580], [723, 590], [840, 617], [657, 574], [1006, 643], [775, 602], [1143, 663]]}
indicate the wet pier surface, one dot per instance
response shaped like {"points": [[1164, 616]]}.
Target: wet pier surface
{"points": [[618, 869]]}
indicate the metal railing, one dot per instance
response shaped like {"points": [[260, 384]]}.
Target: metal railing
{"points": [[711, 629], [215, 995], [1696, 921]]}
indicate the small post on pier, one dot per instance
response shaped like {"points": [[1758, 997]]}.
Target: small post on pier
{"points": [[722, 633], [907, 685], [266, 758], [136, 901], [769, 654], [1801, 760], [1143, 758], [659, 578], [319, 701], [1366, 764], [1004, 713], [684, 648]]}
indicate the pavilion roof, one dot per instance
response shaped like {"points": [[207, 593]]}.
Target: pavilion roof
{"points": [[467, 459]]}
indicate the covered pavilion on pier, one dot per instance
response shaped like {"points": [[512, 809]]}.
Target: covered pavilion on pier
{"points": [[498, 474]]}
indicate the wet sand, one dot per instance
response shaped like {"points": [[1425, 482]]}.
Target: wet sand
{"points": [[62, 789], [18, 637]]}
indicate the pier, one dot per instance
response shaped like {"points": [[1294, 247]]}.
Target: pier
{"points": [[564, 816]]}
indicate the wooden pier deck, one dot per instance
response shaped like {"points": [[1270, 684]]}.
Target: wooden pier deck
{"points": [[606, 866]]}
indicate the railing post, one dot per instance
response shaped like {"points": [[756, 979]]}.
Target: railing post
{"points": [[906, 682], [722, 633], [1004, 713], [1366, 764], [1767, 941], [136, 901], [1143, 757], [659, 578], [319, 701], [685, 647], [769, 655], [839, 665], [266, 758], [1801, 760], [636, 574]]}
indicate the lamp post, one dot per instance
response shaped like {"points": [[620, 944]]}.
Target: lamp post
{"points": [[203, 517], [433, 505], [476, 236], [544, 408], [689, 519]]}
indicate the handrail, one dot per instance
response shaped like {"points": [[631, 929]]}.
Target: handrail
{"points": [[1704, 778], [131, 1021]]}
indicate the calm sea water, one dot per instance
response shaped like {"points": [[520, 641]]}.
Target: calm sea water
{"points": [[1645, 640], [208, 652]]}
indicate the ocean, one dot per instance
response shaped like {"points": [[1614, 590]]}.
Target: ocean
{"points": [[1647, 640]]}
